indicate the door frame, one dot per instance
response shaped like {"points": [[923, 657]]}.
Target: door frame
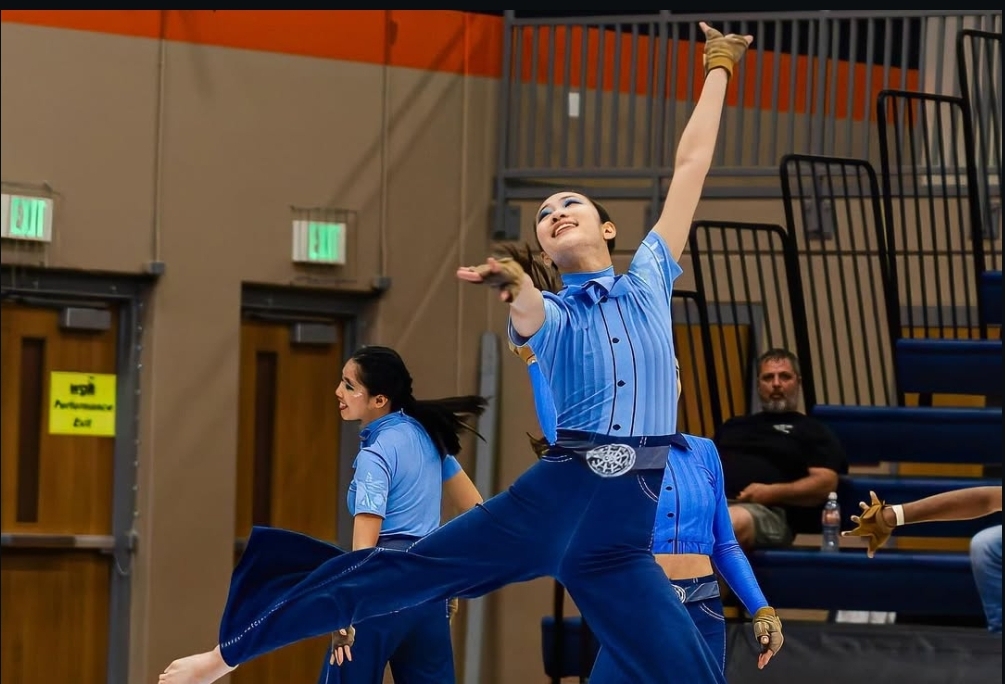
{"points": [[54, 288], [355, 311]]}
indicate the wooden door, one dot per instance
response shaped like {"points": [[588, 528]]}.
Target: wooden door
{"points": [[56, 507], [288, 461]]}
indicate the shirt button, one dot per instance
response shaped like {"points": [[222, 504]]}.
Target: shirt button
{"points": [[615, 340], [621, 383], [669, 515], [669, 488], [617, 427]]}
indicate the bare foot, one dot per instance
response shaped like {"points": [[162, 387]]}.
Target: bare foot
{"points": [[204, 668]]}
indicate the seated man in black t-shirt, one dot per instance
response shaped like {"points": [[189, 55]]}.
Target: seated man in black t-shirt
{"points": [[779, 465]]}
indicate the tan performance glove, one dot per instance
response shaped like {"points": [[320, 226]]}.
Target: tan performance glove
{"points": [[722, 52], [871, 524], [768, 632], [508, 278], [342, 642], [524, 352]]}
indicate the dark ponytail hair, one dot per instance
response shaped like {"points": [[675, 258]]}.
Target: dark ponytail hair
{"points": [[382, 371], [539, 445]]}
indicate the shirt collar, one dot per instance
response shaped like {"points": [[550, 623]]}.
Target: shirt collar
{"points": [[580, 279], [374, 426], [679, 440]]}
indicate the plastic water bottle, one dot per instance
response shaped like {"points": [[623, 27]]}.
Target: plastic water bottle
{"points": [[830, 524]]}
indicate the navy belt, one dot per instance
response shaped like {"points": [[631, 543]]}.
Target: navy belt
{"points": [[611, 456], [596, 438], [697, 589], [397, 542]]}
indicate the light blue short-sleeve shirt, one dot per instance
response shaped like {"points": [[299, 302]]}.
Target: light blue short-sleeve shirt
{"points": [[606, 347], [399, 475]]}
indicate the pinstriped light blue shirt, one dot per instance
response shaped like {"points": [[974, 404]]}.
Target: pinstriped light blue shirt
{"points": [[606, 349]]}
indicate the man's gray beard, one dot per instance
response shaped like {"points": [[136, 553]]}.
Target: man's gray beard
{"points": [[777, 406]]}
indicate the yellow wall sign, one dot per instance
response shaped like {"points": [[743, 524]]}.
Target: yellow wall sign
{"points": [[82, 404]]}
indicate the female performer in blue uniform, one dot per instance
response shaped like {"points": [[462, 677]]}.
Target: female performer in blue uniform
{"points": [[401, 470], [692, 530], [584, 512]]}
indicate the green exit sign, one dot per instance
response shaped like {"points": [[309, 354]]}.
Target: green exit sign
{"points": [[319, 242], [26, 218]]}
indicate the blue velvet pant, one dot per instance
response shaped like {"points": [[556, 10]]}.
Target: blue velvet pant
{"points": [[708, 617], [415, 642], [558, 519]]}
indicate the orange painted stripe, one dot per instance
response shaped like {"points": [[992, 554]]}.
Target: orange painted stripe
{"points": [[465, 43], [616, 74]]}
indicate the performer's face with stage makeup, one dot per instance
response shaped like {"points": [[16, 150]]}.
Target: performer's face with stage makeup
{"points": [[355, 401], [573, 231]]}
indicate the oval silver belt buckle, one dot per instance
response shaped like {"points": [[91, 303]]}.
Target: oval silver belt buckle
{"points": [[611, 460]]}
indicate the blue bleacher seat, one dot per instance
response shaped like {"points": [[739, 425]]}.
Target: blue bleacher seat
{"points": [[906, 582], [938, 366], [991, 297], [895, 489], [872, 434]]}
